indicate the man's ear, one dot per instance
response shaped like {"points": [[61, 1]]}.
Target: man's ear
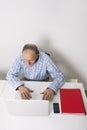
{"points": [[37, 57]]}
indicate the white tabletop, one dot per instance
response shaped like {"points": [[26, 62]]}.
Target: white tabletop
{"points": [[51, 122]]}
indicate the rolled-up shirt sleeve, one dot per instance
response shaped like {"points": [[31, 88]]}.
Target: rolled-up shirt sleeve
{"points": [[56, 74], [13, 73]]}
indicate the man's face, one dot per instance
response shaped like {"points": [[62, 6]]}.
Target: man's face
{"points": [[29, 57]]}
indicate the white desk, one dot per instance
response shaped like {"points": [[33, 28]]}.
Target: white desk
{"points": [[51, 122]]}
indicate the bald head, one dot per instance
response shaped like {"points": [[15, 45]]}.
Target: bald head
{"points": [[30, 53], [31, 47]]}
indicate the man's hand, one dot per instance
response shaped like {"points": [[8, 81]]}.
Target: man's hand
{"points": [[48, 94], [25, 92]]}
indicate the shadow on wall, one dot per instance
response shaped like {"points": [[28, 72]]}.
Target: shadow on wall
{"points": [[2, 75], [68, 70]]}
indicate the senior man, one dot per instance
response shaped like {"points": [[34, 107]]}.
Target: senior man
{"points": [[35, 66]]}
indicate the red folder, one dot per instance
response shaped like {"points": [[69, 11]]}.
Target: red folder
{"points": [[71, 101]]}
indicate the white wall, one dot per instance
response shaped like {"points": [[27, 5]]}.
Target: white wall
{"points": [[56, 26]]}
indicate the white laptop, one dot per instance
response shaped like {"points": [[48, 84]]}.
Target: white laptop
{"points": [[33, 107], [28, 107]]}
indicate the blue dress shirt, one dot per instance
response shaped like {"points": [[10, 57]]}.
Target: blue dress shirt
{"points": [[38, 72]]}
